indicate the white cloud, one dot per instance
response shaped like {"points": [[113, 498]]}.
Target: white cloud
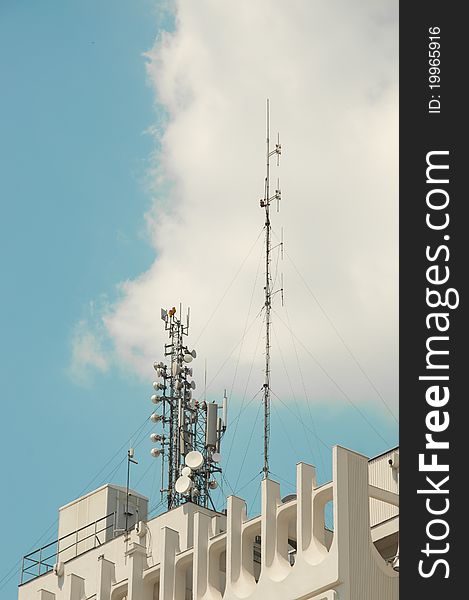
{"points": [[87, 355], [330, 71]]}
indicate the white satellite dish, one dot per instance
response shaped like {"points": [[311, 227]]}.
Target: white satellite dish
{"points": [[183, 484], [194, 354], [187, 471], [194, 459], [155, 437], [155, 385], [155, 399], [155, 452], [188, 358], [216, 457], [193, 384], [213, 484]]}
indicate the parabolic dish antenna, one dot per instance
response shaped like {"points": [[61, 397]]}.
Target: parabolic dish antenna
{"points": [[194, 459], [183, 484], [216, 457], [186, 471], [188, 358]]}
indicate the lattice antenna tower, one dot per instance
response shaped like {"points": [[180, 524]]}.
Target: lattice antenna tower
{"points": [[265, 203], [191, 429]]}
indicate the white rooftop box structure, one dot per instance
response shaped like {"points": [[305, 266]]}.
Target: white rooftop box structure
{"points": [[97, 517]]}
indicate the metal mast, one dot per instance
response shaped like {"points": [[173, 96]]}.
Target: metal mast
{"points": [[265, 203], [192, 430]]}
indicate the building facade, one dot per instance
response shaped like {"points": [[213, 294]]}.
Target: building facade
{"points": [[192, 553]]}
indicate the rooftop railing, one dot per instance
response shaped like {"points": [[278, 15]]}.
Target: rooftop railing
{"points": [[43, 560]]}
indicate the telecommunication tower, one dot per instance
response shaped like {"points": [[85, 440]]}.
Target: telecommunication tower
{"points": [[191, 430], [265, 203]]}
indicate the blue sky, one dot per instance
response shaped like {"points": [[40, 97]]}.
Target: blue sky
{"points": [[77, 162], [75, 106]]}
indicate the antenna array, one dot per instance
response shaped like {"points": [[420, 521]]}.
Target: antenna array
{"points": [[265, 203], [191, 429]]}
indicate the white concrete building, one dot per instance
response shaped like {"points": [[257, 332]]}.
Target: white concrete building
{"points": [[192, 553]]}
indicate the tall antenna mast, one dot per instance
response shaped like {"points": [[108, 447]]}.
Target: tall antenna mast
{"points": [[265, 204]]}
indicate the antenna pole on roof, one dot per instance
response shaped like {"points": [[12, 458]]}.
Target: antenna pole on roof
{"points": [[265, 204], [130, 459]]}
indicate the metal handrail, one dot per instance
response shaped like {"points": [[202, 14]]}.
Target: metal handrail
{"points": [[38, 563]]}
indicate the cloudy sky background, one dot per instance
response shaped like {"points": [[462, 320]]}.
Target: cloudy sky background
{"points": [[133, 150], [330, 71]]}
